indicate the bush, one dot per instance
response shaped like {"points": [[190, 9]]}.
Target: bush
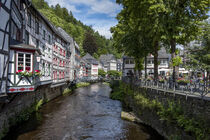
{"points": [[117, 90], [183, 82], [101, 73], [114, 73], [66, 91], [82, 84]]}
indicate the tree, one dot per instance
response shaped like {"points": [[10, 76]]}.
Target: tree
{"points": [[101, 72], [199, 57], [139, 21], [63, 18], [89, 44], [182, 22], [114, 73], [162, 21]]}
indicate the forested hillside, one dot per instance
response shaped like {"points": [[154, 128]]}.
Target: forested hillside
{"points": [[63, 18]]}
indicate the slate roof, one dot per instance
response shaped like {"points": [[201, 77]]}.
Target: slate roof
{"points": [[90, 59], [65, 35], [51, 26], [119, 61], [107, 58], [161, 54]]}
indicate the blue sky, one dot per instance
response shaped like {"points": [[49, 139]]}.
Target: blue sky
{"points": [[98, 13]]}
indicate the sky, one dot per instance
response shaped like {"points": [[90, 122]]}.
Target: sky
{"points": [[100, 14]]}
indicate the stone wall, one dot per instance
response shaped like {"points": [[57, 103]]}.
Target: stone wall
{"points": [[21, 101], [193, 107]]}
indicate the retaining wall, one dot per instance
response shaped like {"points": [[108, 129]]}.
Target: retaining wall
{"points": [[21, 101], [193, 107]]}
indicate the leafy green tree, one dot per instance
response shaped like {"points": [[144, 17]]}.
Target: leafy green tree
{"points": [[139, 30], [114, 73], [89, 44], [182, 21], [198, 55], [101, 72]]}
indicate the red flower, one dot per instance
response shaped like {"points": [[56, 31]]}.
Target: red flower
{"points": [[19, 71], [37, 71]]}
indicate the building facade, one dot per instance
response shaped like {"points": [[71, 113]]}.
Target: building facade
{"points": [[33, 52], [109, 62], [4, 44], [128, 67], [93, 66]]}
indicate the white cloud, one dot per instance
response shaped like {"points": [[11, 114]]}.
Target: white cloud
{"points": [[107, 7], [102, 26], [96, 6], [64, 3]]}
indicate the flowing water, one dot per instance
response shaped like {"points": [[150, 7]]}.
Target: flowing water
{"points": [[87, 114]]}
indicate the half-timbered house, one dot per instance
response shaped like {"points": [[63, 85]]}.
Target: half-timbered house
{"points": [[22, 53], [4, 44]]}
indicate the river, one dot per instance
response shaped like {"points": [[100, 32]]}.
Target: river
{"points": [[87, 114]]}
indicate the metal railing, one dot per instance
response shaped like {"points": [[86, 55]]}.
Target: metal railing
{"points": [[195, 88]]}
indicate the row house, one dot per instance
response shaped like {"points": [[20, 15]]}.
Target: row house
{"points": [[119, 64], [70, 55], [128, 67], [109, 62], [22, 52], [93, 66], [39, 53], [77, 61], [85, 69], [59, 60], [163, 59], [4, 45]]}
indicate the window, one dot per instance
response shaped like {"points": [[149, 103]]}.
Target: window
{"points": [[27, 37], [24, 62], [36, 27], [49, 39], [15, 32], [126, 61], [29, 19], [37, 43], [43, 48], [49, 69], [44, 32], [43, 68]]}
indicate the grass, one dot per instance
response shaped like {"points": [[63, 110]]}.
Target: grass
{"points": [[82, 84], [67, 91], [106, 83]]}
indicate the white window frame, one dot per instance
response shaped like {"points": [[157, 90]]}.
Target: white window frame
{"points": [[24, 61]]}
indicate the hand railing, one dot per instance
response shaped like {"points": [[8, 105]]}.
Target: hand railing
{"points": [[195, 88]]}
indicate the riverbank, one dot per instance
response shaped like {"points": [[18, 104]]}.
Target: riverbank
{"points": [[23, 105], [167, 117], [88, 113]]}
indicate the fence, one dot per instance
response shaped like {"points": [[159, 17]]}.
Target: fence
{"points": [[196, 89]]}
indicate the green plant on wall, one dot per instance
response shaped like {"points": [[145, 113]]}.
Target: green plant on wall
{"points": [[172, 112]]}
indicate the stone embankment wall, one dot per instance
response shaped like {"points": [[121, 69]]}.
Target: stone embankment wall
{"points": [[192, 106], [22, 101]]}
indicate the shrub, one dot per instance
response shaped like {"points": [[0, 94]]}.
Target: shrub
{"points": [[82, 84]]}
